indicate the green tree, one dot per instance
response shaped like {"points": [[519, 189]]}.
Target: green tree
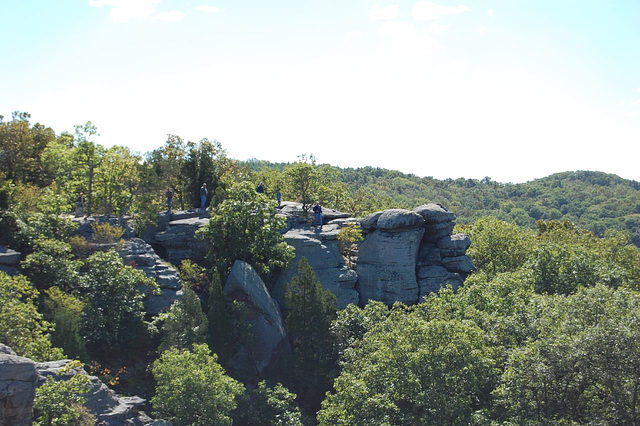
{"points": [[308, 321], [192, 388], [245, 227], [88, 156], [353, 322], [205, 162], [220, 332], [267, 406], [185, 324], [349, 236], [114, 311], [21, 325], [66, 314], [413, 371], [52, 264], [117, 180], [60, 402]]}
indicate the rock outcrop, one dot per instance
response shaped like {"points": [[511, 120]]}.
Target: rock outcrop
{"points": [[178, 238], [322, 249], [109, 408], [271, 346], [9, 260], [136, 252], [18, 379], [387, 257]]}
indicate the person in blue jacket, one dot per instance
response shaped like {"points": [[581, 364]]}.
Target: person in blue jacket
{"points": [[317, 215], [203, 196]]}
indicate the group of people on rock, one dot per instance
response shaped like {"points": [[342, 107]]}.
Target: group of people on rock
{"points": [[204, 193]]}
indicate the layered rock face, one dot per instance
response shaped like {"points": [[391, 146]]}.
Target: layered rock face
{"points": [[18, 379], [387, 257], [177, 237], [272, 346], [136, 252], [322, 249], [409, 254]]}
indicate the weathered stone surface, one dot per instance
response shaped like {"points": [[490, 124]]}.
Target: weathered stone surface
{"points": [[322, 251], [18, 378], [454, 245], [295, 213], [371, 221], [178, 239], [8, 256], [85, 225], [432, 278], [109, 408], [461, 264], [429, 254], [245, 285], [138, 253], [4, 349], [387, 264], [399, 219], [435, 213]]}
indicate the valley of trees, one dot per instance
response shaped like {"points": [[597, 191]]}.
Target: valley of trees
{"points": [[547, 331]]}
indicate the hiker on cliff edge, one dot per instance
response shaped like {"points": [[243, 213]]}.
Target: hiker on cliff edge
{"points": [[203, 196], [317, 215]]}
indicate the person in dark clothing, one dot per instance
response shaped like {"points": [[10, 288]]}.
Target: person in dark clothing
{"points": [[279, 198], [169, 195], [203, 196], [317, 215], [260, 188], [80, 205]]}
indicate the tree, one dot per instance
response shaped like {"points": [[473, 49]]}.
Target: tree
{"points": [[302, 179], [168, 162], [66, 311], [220, 324], [311, 310], [89, 156], [349, 236], [52, 264], [205, 162], [192, 388], [413, 371], [21, 325], [185, 324], [114, 312], [245, 227], [117, 180], [266, 406]]}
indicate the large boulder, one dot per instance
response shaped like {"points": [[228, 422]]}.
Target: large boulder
{"points": [[272, 346], [454, 245], [322, 250], [9, 260], [387, 258], [435, 213], [18, 379]]}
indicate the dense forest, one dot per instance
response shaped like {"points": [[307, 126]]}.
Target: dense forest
{"points": [[546, 331]]}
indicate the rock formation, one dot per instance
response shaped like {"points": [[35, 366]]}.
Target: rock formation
{"points": [[177, 238], [18, 378], [137, 253], [9, 260], [271, 346]]}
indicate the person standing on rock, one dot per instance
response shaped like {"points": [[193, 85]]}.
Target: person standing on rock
{"points": [[203, 196], [80, 205], [260, 188], [317, 215], [279, 198], [169, 195]]}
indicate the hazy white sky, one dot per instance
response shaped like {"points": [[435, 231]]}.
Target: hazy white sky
{"points": [[514, 90]]}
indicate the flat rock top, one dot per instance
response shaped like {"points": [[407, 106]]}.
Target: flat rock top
{"points": [[193, 221], [398, 219], [434, 213]]}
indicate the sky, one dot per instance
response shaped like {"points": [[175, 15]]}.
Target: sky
{"points": [[511, 89]]}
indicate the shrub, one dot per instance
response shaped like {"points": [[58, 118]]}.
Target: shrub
{"points": [[105, 233], [66, 314]]}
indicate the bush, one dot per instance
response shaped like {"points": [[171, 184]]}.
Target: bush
{"points": [[193, 389], [185, 324], [21, 325], [66, 314], [105, 233], [52, 264], [266, 406]]}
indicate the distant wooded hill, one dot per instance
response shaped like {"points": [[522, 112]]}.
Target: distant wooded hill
{"points": [[593, 200]]}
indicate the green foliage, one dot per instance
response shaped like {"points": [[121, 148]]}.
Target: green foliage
{"points": [[245, 227], [114, 311], [52, 264], [59, 402], [117, 179], [311, 310], [497, 246], [583, 367], [220, 325], [105, 233], [204, 162], [353, 322], [185, 324], [412, 371], [192, 388], [66, 314], [21, 325], [349, 236], [267, 406]]}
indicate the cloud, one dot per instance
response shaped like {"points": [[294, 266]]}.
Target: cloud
{"points": [[173, 16], [631, 114], [404, 41], [207, 9], [438, 28], [428, 11], [377, 13], [352, 35], [636, 102], [483, 29], [490, 13], [126, 10]]}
